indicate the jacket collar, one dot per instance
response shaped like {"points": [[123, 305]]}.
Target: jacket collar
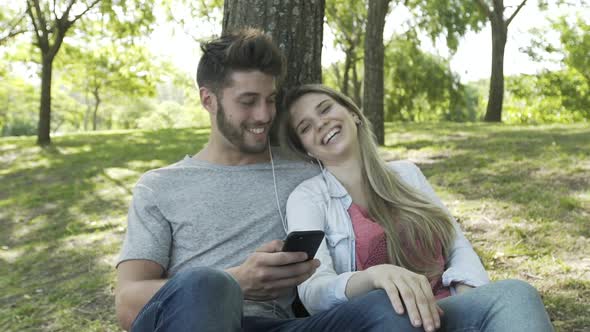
{"points": [[335, 188]]}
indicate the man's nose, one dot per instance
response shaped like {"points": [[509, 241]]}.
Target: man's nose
{"points": [[264, 112]]}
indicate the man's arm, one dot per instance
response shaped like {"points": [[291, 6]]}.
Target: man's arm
{"points": [[137, 282], [265, 275]]}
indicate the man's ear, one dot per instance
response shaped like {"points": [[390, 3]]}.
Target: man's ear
{"points": [[208, 99]]}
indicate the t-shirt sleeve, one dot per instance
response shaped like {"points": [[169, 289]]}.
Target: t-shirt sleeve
{"points": [[149, 235]]}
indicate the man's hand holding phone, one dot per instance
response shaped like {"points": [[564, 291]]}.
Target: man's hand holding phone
{"points": [[270, 271]]}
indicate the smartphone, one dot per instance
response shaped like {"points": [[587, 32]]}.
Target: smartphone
{"points": [[304, 241]]}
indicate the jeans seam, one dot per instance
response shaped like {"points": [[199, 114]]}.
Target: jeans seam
{"points": [[144, 310], [467, 329]]}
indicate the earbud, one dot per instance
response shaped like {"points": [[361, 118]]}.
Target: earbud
{"points": [[357, 120], [311, 155]]}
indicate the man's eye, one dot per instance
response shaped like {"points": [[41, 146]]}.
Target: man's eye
{"points": [[326, 110], [247, 103], [304, 130]]}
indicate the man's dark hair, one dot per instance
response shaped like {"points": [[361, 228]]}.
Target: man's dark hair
{"points": [[245, 49]]}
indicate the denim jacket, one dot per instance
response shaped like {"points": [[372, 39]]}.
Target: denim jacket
{"points": [[322, 202]]}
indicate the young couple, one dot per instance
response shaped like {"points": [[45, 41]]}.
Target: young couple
{"points": [[203, 245]]}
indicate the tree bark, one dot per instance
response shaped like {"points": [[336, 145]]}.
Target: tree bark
{"points": [[43, 130], [499, 37], [374, 52], [296, 26], [496, 93]]}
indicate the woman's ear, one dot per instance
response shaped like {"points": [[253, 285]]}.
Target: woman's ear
{"points": [[356, 119]]}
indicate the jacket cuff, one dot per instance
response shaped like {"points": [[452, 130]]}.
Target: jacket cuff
{"points": [[452, 276], [340, 286]]}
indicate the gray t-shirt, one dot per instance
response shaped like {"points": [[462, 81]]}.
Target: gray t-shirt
{"points": [[194, 213]]}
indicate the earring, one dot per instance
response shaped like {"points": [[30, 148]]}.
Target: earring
{"points": [[311, 155]]}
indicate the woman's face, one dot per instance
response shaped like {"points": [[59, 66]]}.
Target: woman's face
{"points": [[326, 129]]}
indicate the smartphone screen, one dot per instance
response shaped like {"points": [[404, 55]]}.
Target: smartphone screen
{"points": [[304, 241]]}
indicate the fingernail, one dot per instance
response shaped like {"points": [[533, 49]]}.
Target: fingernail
{"points": [[417, 322], [429, 328]]}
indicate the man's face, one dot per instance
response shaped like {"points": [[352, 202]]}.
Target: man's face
{"points": [[246, 109]]}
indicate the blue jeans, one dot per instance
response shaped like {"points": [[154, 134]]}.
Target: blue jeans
{"points": [[205, 299]]}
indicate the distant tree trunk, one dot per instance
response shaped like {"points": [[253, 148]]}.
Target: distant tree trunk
{"points": [[496, 94], [97, 101], [500, 25], [374, 51], [356, 85], [88, 109], [336, 70], [344, 88], [43, 130], [296, 26]]}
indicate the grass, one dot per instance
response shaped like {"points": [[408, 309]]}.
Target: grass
{"points": [[522, 195]]}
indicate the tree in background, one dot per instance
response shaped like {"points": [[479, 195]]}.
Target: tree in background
{"points": [[113, 69], [374, 50], [346, 19], [495, 14], [422, 87], [50, 22], [561, 95]]}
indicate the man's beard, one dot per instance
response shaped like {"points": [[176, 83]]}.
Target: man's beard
{"points": [[236, 134]]}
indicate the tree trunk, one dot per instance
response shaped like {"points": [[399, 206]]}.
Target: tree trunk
{"points": [[496, 94], [374, 51], [43, 130], [296, 26], [95, 112], [346, 76], [356, 85]]}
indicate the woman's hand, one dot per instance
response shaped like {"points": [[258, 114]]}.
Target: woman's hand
{"points": [[415, 292]]}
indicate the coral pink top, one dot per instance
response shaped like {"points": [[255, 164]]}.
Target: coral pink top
{"points": [[371, 247]]}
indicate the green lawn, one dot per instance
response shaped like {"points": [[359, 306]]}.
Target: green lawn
{"points": [[522, 195]]}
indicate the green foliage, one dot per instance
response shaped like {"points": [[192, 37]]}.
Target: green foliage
{"points": [[18, 107], [549, 97], [563, 95], [421, 87], [448, 18]]}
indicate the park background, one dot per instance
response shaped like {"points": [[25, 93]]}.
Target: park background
{"points": [[514, 171]]}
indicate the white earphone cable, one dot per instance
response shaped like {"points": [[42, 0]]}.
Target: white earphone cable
{"points": [[274, 180]]}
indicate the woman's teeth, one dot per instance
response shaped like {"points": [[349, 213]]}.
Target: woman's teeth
{"points": [[330, 135], [256, 130]]}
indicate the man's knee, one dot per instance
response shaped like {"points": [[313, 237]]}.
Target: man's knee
{"points": [[202, 281]]}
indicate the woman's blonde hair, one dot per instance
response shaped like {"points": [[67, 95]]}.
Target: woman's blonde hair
{"points": [[417, 229]]}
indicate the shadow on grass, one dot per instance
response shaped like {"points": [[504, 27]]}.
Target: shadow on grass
{"points": [[522, 168], [64, 212], [74, 181]]}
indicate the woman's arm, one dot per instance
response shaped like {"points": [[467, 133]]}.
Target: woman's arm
{"points": [[325, 288]]}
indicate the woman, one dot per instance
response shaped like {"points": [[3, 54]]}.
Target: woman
{"points": [[385, 228]]}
